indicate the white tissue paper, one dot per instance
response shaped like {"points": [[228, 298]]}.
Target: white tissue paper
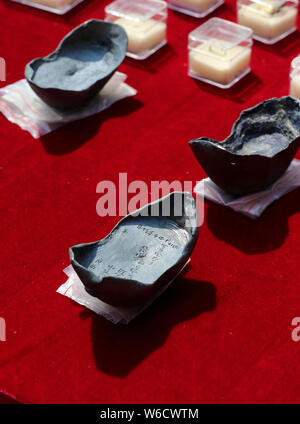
{"points": [[253, 204], [20, 105], [74, 289]]}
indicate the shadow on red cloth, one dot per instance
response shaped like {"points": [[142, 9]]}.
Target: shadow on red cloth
{"points": [[286, 47], [75, 134], [239, 92], [120, 348], [265, 234], [154, 62]]}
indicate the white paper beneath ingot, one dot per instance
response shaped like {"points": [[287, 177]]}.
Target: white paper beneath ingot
{"points": [[253, 204], [74, 289], [267, 25], [143, 35], [210, 62], [20, 105]]}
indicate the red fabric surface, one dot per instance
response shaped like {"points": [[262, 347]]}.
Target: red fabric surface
{"points": [[221, 332]]}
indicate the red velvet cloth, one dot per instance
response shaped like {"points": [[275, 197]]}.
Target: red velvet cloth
{"points": [[221, 332]]}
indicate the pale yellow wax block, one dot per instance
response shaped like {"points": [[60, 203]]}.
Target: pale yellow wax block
{"points": [[215, 64], [143, 35], [267, 24], [196, 4], [295, 86], [54, 3]]}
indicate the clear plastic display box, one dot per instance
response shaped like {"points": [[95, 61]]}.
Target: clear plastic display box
{"points": [[60, 7], [145, 22], [270, 20], [219, 52], [196, 8]]}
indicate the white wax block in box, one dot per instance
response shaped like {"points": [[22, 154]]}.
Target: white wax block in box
{"points": [[59, 7], [144, 22], [197, 8], [143, 36], [74, 289], [219, 52], [57, 4], [252, 205], [213, 67], [270, 20], [295, 78]]}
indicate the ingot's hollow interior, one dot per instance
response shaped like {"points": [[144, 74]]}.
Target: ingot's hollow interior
{"points": [[258, 151], [141, 254], [81, 65]]}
